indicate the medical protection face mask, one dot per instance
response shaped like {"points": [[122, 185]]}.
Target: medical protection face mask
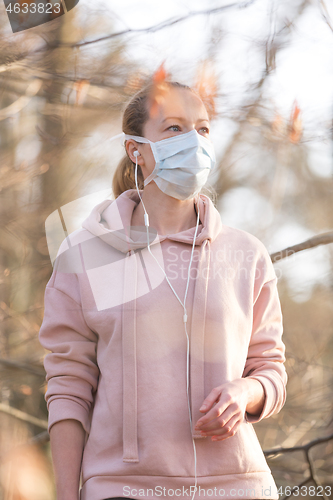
{"points": [[183, 163]]}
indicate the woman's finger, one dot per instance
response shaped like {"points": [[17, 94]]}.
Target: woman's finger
{"points": [[227, 431], [232, 429], [217, 410], [212, 397], [220, 423]]}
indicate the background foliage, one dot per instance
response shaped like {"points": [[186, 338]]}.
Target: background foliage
{"points": [[62, 93]]}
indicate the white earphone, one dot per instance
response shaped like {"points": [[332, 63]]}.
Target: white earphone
{"points": [[136, 154]]}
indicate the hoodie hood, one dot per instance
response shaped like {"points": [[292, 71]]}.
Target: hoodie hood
{"points": [[111, 222]]}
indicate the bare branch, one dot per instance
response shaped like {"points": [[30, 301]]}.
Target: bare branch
{"points": [[152, 29], [305, 448], [22, 366], [324, 13], [320, 239], [160, 26], [23, 416]]}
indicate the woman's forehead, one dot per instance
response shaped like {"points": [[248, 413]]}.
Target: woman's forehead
{"points": [[180, 103]]}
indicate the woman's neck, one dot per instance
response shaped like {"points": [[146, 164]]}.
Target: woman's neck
{"points": [[166, 214]]}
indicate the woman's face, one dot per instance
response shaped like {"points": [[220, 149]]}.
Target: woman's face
{"points": [[179, 112]]}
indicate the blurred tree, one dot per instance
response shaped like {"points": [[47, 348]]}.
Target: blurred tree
{"points": [[51, 99]]}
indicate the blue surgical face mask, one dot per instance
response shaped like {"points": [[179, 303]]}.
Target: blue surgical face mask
{"points": [[183, 163]]}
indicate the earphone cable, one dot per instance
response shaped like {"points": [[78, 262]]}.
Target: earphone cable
{"points": [[146, 219]]}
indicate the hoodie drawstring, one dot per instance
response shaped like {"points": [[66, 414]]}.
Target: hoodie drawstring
{"points": [[130, 431], [197, 346], [197, 339]]}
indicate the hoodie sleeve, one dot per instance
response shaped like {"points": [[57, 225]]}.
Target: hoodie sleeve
{"points": [[266, 353], [71, 369]]}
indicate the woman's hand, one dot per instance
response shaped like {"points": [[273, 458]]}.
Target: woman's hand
{"points": [[232, 400]]}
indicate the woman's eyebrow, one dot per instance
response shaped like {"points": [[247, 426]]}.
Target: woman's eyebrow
{"points": [[183, 119]]}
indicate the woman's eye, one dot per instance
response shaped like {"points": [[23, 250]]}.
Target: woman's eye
{"points": [[205, 130], [174, 127]]}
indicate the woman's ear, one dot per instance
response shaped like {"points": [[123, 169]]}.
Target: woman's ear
{"points": [[133, 152]]}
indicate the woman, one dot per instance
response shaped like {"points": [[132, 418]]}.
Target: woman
{"points": [[164, 327]]}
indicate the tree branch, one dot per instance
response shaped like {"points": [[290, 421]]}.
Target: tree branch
{"points": [[305, 448], [151, 29], [324, 13], [22, 366], [160, 26], [320, 239], [23, 416]]}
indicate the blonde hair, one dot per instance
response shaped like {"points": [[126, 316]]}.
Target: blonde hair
{"points": [[135, 116]]}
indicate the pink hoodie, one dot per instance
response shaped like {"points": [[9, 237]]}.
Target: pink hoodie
{"points": [[118, 353]]}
